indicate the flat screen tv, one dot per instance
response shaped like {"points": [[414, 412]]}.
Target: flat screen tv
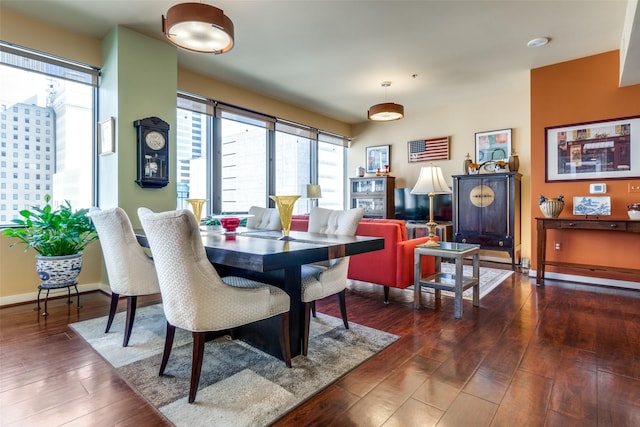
{"points": [[416, 206]]}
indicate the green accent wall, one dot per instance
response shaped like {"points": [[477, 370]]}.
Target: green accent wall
{"points": [[139, 79]]}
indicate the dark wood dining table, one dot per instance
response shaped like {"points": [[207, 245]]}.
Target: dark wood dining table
{"points": [[262, 255]]}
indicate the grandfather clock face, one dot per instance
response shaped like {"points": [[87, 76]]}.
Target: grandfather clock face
{"points": [[481, 196]]}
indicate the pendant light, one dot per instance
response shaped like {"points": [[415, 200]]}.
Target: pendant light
{"points": [[386, 111], [198, 27]]}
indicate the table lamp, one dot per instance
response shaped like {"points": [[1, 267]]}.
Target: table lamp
{"points": [[431, 181], [313, 193]]}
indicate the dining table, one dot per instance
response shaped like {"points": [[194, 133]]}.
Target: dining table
{"points": [[264, 256]]}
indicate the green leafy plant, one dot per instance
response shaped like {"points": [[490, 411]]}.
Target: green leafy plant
{"points": [[53, 232], [211, 221]]}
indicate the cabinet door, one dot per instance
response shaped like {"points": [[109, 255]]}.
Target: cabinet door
{"points": [[482, 207], [374, 195]]}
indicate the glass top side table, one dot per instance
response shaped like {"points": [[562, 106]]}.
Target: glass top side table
{"points": [[457, 282]]}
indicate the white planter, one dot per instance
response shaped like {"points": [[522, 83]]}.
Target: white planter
{"points": [[58, 271]]}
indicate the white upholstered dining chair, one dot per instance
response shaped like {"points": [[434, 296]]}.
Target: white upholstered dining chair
{"points": [[322, 280], [264, 218], [195, 297], [130, 270]]}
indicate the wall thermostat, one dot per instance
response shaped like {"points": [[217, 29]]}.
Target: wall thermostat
{"points": [[597, 188]]}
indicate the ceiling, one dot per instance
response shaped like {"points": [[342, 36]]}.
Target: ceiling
{"points": [[330, 57]]}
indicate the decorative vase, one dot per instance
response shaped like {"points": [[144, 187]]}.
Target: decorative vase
{"points": [[58, 271], [633, 210], [196, 206], [514, 162], [230, 224], [551, 207], [285, 209], [466, 163]]}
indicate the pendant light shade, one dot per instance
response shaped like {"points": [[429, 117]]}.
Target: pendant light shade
{"points": [[198, 27], [386, 111]]}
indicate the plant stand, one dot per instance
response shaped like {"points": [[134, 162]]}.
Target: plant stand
{"points": [[49, 287]]}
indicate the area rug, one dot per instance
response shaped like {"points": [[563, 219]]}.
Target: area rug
{"points": [[490, 278], [239, 385]]}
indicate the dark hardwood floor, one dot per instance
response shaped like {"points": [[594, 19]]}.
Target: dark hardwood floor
{"points": [[559, 355]]}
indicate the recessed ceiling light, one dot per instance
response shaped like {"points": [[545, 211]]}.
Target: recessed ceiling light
{"points": [[538, 42]]}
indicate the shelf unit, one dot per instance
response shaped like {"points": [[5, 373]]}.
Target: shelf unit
{"points": [[374, 194]]}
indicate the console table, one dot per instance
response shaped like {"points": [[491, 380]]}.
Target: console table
{"points": [[611, 224]]}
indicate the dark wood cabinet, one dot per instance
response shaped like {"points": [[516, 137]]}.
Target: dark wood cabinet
{"points": [[375, 195], [486, 211]]}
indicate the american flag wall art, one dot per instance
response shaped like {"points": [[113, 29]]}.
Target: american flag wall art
{"points": [[423, 150]]}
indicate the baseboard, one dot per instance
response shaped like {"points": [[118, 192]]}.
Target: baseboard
{"points": [[599, 281], [33, 296]]}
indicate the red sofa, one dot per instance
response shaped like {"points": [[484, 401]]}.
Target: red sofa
{"points": [[389, 267]]}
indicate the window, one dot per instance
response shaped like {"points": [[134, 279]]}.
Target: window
{"points": [[193, 134], [32, 84], [331, 171], [293, 162], [236, 158], [243, 158]]}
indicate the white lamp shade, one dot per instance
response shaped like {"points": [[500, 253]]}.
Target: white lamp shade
{"points": [[431, 180], [314, 191]]}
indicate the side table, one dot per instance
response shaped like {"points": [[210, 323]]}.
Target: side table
{"points": [[457, 282]]}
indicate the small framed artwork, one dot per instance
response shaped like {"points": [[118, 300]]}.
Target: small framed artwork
{"points": [[378, 158], [493, 146], [593, 150], [106, 137], [591, 205], [424, 150]]}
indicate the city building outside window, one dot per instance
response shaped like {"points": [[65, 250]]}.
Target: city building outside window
{"points": [[33, 84]]}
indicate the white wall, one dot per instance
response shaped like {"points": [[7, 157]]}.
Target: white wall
{"points": [[509, 108]]}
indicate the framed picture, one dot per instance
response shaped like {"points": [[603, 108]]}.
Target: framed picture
{"points": [[378, 157], [493, 145], [607, 149], [106, 137], [424, 150], [592, 205]]}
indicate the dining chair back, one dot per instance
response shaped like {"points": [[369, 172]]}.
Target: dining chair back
{"points": [[130, 271], [195, 297], [264, 218], [322, 280]]}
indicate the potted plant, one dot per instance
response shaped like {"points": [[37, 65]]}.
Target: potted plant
{"points": [[58, 236]]}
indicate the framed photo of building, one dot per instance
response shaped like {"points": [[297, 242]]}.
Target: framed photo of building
{"points": [[378, 158], [607, 149]]}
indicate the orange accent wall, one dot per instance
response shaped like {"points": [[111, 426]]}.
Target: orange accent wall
{"points": [[582, 90]]}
